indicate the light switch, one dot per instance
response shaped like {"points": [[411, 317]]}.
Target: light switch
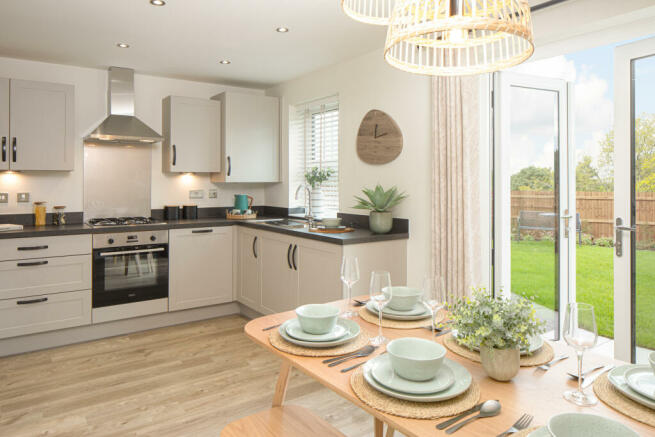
{"points": [[23, 197], [196, 194], [212, 194], [4, 197]]}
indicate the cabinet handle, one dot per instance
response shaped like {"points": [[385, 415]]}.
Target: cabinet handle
{"points": [[33, 247], [254, 248], [13, 150], [229, 165], [293, 257], [33, 263], [289, 256], [174, 154], [27, 302], [202, 231], [4, 149]]}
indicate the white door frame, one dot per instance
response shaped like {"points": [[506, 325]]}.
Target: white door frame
{"points": [[566, 180], [624, 55]]}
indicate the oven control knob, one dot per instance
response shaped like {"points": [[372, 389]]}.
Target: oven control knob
{"points": [[153, 238], [110, 241]]}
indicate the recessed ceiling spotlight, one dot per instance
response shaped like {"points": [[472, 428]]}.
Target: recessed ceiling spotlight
{"points": [[157, 2], [225, 61], [282, 29], [123, 45]]}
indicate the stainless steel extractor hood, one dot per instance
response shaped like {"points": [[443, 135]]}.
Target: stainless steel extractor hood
{"points": [[121, 126]]}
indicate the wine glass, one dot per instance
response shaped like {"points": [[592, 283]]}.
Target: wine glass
{"points": [[434, 297], [380, 292], [580, 333], [349, 276]]}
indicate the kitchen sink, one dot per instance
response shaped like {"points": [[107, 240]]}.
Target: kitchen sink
{"points": [[286, 223]]}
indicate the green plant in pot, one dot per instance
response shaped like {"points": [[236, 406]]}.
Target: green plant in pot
{"points": [[314, 178], [499, 327], [380, 202]]}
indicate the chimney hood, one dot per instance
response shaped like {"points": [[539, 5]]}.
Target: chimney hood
{"points": [[121, 126]]}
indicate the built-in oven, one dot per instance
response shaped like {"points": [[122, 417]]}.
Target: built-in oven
{"points": [[129, 267]]}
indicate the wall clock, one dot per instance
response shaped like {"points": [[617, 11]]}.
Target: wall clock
{"points": [[379, 140]]}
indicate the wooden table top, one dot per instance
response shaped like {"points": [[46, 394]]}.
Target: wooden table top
{"points": [[532, 391]]}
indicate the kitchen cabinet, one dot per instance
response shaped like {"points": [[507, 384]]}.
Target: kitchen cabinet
{"points": [[36, 125], [192, 135], [249, 268], [279, 275], [250, 130], [319, 271], [200, 264]]}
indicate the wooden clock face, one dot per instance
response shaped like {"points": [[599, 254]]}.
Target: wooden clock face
{"points": [[379, 139]]}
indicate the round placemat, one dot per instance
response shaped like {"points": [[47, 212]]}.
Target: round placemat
{"points": [[396, 324], [413, 410], [542, 356], [614, 399], [525, 432], [281, 344]]}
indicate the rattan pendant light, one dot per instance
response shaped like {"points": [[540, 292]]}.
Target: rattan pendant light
{"points": [[369, 11], [458, 37]]}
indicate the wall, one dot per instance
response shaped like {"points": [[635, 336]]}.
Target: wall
{"points": [[66, 188]]}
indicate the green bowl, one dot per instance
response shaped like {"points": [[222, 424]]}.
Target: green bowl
{"points": [[587, 425], [403, 298], [317, 318], [416, 359]]}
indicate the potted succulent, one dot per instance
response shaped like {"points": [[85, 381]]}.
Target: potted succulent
{"points": [[315, 177], [499, 327], [380, 203]]}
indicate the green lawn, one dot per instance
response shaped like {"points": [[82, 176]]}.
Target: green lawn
{"points": [[533, 274]]}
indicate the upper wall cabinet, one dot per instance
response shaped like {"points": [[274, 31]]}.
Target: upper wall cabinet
{"points": [[192, 135], [251, 144], [36, 125]]}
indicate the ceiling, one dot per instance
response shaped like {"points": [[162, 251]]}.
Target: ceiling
{"points": [[187, 38]]}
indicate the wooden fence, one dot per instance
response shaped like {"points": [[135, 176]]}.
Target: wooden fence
{"points": [[596, 211]]}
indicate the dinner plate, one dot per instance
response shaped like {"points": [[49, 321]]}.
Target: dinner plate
{"points": [[587, 425], [462, 383], [536, 343], [399, 315], [540, 432], [616, 376], [352, 331], [642, 380], [384, 374], [295, 330]]}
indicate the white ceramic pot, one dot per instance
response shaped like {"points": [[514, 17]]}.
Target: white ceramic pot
{"points": [[380, 222], [500, 364], [317, 202]]}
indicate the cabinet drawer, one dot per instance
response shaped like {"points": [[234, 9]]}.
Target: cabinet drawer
{"points": [[45, 312], [42, 247], [44, 275]]}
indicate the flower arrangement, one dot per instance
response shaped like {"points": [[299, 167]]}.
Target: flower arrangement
{"points": [[495, 322], [315, 177]]}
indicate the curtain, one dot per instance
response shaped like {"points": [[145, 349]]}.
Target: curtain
{"points": [[456, 249]]}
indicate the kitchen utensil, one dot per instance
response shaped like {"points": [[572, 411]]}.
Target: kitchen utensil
{"points": [[317, 319], [447, 423], [584, 374], [403, 298], [58, 215], [443, 332], [581, 333], [39, 214], [587, 425], [488, 409], [190, 212], [242, 202], [384, 374], [420, 312], [523, 422], [416, 359], [271, 327], [591, 379], [295, 330], [348, 369], [172, 212], [349, 276], [546, 367], [360, 303], [352, 357], [352, 328], [381, 293], [616, 377], [641, 380], [364, 349]]}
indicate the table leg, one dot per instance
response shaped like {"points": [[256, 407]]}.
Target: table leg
{"points": [[282, 382], [378, 427], [390, 431]]}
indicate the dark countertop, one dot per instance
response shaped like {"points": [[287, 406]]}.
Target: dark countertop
{"points": [[357, 237]]}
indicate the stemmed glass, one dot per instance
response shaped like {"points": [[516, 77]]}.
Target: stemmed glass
{"points": [[380, 291], [580, 333], [349, 276], [434, 297]]}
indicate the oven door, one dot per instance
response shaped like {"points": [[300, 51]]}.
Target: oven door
{"points": [[129, 274]]}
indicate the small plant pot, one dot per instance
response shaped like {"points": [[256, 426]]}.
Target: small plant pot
{"points": [[380, 222], [500, 364]]}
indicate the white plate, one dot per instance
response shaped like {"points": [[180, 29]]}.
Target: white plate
{"points": [[541, 432], [399, 315], [462, 383], [351, 326], [295, 330], [384, 374], [641, 380], [617, 377], [536, 343]]}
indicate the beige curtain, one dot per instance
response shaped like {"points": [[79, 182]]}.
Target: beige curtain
{"points": [[456, 250]]}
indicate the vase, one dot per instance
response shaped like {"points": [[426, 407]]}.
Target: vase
{"points": [[500, 364], [317, 202], [380, 222]]}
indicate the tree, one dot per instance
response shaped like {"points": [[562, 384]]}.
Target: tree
{"points": [[533, 178], [587, 177]]}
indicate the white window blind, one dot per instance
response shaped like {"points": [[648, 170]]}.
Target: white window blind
{"points": [[314, 138]]}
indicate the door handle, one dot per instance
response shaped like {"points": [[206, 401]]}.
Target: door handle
{"points": [[202, 231], [174, 154], [44, 247], [229, 165], [27, 302], [4, 149], [13, 150], [33, 263], [289, 256], [254, 247], [293, 257], [618, 236]]}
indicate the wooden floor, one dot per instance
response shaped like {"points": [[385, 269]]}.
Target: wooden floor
{"points": [[185, 380]]}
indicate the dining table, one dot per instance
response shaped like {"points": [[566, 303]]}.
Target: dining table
{"points": [[532, 391]]}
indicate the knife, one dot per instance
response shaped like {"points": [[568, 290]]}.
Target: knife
{"points": [[590, 380], [444, 332], [447, 423]]}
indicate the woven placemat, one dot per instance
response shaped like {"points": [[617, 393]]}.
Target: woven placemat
{"points": [[396, 324], [525, 432], [281, 344], [413, 410], [614, 399], [542, 356]]}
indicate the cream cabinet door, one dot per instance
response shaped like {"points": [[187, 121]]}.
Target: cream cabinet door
{"points": [[4, 124], [279, 278], [200, 265], [250, 285], [319, 270], [41, 125]]}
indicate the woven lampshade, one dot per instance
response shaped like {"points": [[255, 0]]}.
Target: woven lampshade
{"points": [[369, 11], [458, 37]]}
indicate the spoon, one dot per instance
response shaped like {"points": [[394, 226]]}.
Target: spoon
{"points": [[488, 409]]}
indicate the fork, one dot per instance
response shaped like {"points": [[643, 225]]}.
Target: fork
{"points": [[546, 367], [523, 422]]}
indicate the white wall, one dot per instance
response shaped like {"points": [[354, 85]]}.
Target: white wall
{"points": [[362, 84], [66, 188]]}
